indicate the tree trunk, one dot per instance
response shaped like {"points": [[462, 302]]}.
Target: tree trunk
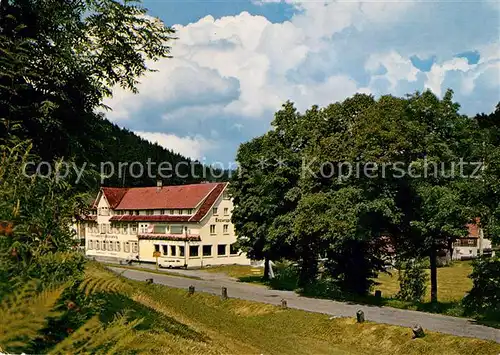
{"points": [[434, 296], [266, 268]]}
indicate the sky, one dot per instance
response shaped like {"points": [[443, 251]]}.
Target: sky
{"points": [[236, 62]]}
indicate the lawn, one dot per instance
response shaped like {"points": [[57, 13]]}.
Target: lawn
{"points": [[453, 282], [204, 324], [237, 271]]}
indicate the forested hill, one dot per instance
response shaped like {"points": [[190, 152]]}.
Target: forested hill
{"points": [[102, 145]]}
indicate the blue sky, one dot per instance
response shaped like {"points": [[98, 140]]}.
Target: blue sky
{"points": [[236, 62]]}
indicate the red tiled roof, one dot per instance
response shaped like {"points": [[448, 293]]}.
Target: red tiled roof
{"points": [[208, 203], [168, 197], [143, 218], [114, 195], [173, 237]]}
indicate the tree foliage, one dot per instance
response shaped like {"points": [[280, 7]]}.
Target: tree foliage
{"points": [[412, 281], [36, 214], [360, 174], [485, 294]]}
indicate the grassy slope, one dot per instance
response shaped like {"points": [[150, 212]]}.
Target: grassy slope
{"points": [[182, 324]]}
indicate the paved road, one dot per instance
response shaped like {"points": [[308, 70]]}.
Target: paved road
{"points": [[212, 283]]}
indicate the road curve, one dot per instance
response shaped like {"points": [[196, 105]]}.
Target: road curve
{"points": [[406, 318]]}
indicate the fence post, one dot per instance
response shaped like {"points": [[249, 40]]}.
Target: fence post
{"points": [[360, 316], [224, 293]]}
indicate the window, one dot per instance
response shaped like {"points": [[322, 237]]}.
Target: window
{"points": [[165, 249], [103, 211], [172, 250], [193, 250], [212, 229], [162, 212], [97, 245], [221, 249], [214, 211], [179, 211], [90, 246], [232, 249], [176, 229], [117, 246], [159, 229], [225, 229], [226, 195], [130, 213], [135, 247], [207, 250], [181, 251], [136, 213], [190, 211], [226, 211], [102, 228], [110, 246], [108, 228], [126, 249], [157, 247], [114, 229], [104, 245], [149, 212], [123, 229], [144, 228], [134, 230]]}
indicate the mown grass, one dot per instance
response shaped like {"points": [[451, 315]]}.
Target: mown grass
{"points": [[453, 282], [237, 271], [177, 323]]}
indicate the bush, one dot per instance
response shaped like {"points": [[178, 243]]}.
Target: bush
{"points": [[412, 281], [286, 276], [485, 294]]}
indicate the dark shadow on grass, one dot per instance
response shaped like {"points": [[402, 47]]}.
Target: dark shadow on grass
{"points": [[152, 320]]}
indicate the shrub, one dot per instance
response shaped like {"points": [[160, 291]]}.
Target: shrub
{"points": [[286, 276], [412, 281], [484, 296]]}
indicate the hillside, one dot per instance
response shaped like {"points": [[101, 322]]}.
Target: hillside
{"points": [[164, 320]]}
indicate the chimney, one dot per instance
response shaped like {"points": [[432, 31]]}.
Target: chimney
{"points": [[159, 185]]}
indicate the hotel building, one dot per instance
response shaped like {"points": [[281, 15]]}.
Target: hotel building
{"points": [[186, 225]]}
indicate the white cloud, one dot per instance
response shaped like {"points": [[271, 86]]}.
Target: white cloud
{"points": [[397, 68], [237, 70], [192, 147], [436, 75]]}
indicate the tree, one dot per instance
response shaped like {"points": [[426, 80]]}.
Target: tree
{"points": [[60, 59], [260, 191]]}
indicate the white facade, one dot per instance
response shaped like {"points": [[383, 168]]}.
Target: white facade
{"points": [[469, 248], [208, 241]]}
